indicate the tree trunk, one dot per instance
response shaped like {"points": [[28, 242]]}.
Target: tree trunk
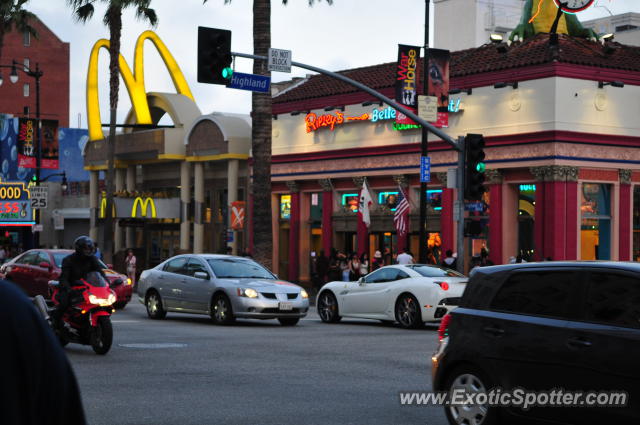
{"points": [[115, 32], [261, 139]]}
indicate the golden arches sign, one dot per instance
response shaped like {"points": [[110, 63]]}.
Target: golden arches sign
{"points": [[133, 81], [143, 207]]}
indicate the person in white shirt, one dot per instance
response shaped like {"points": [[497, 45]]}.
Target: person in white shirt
{"points": [[405, 258]]}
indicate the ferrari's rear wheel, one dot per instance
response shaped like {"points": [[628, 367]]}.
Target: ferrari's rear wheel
{"points": [[408, 312]]}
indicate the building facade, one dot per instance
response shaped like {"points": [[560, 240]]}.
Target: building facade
{"points": [[51, 56], [562, 146], [625, 27]]}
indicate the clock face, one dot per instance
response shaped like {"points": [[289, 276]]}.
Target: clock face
{"points": [[573, 6]]}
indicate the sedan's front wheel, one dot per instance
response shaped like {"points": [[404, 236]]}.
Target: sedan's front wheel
{"points": [[221, 310], [288, 321], [408, 312]]}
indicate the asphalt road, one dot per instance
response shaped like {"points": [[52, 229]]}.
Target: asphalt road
{"points": [[185, 370]]}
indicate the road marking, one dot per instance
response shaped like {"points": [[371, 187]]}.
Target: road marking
{"points": [[154, 345], [125, 321]]}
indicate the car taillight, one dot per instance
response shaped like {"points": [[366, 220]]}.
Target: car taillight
{"points": [[443, 285], [443, 330]]}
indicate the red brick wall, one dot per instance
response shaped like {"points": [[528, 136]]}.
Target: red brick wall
{"points": [[52, 55]]}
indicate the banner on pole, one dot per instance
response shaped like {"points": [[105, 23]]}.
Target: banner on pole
{"points": [[50, 146], [407, 80], [27, 132], [439, 61]]}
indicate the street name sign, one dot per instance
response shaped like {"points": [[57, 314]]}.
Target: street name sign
{"points": [[425, 169], [279, 60], [250, 82]]}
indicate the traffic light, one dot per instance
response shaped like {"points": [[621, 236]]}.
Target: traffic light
{"points": [[214, 56], [474, 167], [34, 179]]}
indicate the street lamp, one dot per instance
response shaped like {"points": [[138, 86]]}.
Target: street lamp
{"points": [[64, 184], [13, 77]]}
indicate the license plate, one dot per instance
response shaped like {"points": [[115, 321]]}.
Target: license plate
{"points": [[285, 306]]}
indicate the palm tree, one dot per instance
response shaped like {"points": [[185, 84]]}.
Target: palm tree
{"points": [[13, 16], [83, 10], [261, 136]]}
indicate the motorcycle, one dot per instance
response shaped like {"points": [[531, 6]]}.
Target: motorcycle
{"points": [[88, 319]]}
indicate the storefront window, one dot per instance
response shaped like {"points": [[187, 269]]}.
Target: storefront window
{"points": [[350, 201], [434, 199], [636, 223], [595, 230], [526, 220], [285, 207], [388, 199]]}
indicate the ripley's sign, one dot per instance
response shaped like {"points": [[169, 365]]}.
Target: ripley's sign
{"points": [[314, 121]]}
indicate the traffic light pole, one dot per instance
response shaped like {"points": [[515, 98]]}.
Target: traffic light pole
{"points": [[460, 181]]}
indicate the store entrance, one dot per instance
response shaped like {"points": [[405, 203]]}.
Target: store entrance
{"points": [[162, 243]]}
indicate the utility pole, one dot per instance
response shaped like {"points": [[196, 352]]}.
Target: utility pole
{"points": [[422, 249], [459, 203]]}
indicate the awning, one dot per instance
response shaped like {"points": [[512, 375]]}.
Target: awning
{"points": [[73, 213]]}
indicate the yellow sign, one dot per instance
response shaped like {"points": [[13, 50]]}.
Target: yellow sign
{"points": [[133, 81], [143, 207], [103, 208]]}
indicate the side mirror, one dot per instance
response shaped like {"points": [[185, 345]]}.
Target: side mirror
{"points": [[361, 281], [201, 275], [44, 265]]}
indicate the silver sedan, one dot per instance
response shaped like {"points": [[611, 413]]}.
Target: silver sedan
{"points": [[222, 286]]}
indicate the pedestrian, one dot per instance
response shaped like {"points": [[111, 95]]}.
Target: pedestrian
{"points": [[344, 266], [377, 261], [354, 267], [404, 257], [449, 261], [130, 264], [97, 252], [484, 258], [38, 386], [322, 264], [229, 250], [387, 257], [364, 264], [334, 267]]}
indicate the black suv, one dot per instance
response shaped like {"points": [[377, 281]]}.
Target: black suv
{"points": [[573, 326]]}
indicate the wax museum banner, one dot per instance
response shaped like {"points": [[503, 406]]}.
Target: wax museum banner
{"points": [[407, 80], [50, 145], [26, 143], [439, 61]]}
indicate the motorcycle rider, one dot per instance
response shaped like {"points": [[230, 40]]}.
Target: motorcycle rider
{"points": [[75, 267]]}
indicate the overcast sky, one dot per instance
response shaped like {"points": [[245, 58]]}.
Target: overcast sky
{"points": [[349, 34]]}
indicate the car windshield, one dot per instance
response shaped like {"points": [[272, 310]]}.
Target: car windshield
{"points": [[58, 257], [435, 271], [238, 268]]}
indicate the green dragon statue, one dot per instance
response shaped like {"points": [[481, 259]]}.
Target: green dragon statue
{"points": [[544, 13]]}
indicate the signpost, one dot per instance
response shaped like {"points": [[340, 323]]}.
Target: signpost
{"points": [[279, 60], [39, 197], [250, 82], [425, 169]]}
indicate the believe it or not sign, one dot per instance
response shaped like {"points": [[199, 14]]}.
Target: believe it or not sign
{"points": [[428, 108], [279, 60], [39, 196], [15, 205]]}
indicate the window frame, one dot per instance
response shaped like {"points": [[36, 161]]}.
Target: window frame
{"points": [[26, 38], [191, 272]]}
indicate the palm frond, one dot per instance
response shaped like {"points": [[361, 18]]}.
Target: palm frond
{"points": [[148, 14], [84, 12]]}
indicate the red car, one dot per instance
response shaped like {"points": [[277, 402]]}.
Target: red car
{"points": [[33, 269]]}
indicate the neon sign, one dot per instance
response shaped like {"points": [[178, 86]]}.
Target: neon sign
{"points": [[454, 105], [314, 121], [15, 205]]}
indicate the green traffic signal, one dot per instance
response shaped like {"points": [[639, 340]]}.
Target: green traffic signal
{"points": [[480, 167], [227, 73]]}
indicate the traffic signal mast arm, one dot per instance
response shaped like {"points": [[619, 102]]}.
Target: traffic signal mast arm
{"points": [[373, 93]]}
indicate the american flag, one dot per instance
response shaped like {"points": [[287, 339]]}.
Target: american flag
{"points": [[401, 217]]}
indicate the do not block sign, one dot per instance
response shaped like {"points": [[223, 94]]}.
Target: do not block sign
{"points": [[279, 60]]}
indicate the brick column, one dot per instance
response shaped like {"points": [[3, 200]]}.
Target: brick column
{"points": [[572, 213], [625, 224], [494, 181], [327, 215], [294, 232]]}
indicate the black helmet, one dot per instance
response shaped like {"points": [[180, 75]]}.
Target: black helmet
{"points": [[84, 246]]}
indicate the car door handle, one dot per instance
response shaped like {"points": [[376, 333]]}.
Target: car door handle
{"points": [[493, 331], [578, 343]]}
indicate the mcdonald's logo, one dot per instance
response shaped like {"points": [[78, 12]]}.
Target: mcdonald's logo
{"points": [[143, 207], [133, 81], [103, 208]]}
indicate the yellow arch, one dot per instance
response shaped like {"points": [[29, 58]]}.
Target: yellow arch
{"points": [[103, 208], [133, 81], [143, 207]]}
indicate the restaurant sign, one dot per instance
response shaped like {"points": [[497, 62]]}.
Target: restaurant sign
{"points": [[143, 207]]}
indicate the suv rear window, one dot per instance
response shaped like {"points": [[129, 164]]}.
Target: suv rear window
{"points": [[542, 293], [613, 299]]}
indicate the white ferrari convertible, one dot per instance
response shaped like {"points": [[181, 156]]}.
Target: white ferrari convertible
{"points": [[409, 294]]}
